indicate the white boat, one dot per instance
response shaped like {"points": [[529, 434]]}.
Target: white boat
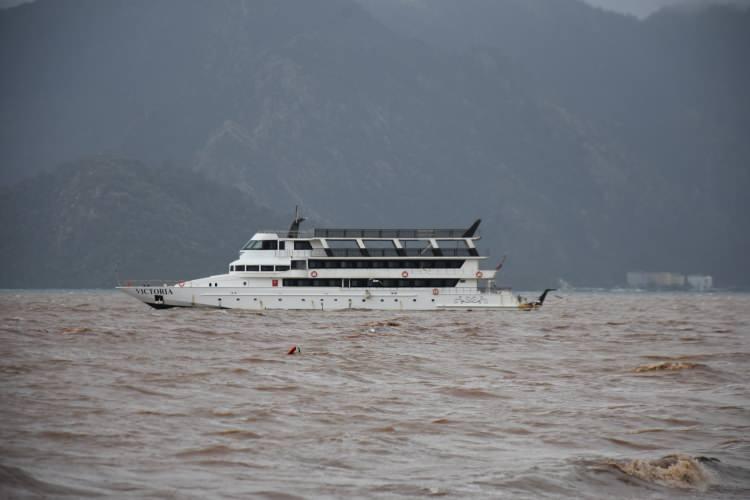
{"points": [[339, 269]]}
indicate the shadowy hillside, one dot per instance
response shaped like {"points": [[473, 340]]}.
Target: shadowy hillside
{"points": [[102, 218]]}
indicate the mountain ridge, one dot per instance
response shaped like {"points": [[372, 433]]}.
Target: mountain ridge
{"points": [[589, 142]]}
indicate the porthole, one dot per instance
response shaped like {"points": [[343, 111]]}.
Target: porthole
{"points": [[413, 300], [382, 300], [321, 300], [238, 299], [279, 299], [395, 300], [433, 300], [363, 300], [303, 300], [335, 300], [244, 283], [255, 298], [219, 299]]}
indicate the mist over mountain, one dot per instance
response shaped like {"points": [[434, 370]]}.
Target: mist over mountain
{"points": [[103, 218], [591, 143]]}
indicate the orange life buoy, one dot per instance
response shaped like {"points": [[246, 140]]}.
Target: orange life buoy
{"points": [[181, 284], [479, 274], [435, 291], [405, 274], [314, 274]]}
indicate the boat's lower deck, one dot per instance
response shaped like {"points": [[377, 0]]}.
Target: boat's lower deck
{"points": [[330, 299]]}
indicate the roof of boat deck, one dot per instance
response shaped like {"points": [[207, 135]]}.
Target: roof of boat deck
{"points": [[390, 233]]}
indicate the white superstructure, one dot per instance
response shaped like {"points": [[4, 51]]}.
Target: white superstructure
{"points": [[336, 269]]}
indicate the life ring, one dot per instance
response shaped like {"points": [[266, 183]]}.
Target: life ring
{"points": [[479, 275], [435, 291], [405, 274], [314, 274], [181, 284]]}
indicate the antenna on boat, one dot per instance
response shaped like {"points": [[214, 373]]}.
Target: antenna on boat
{"points": [[473, 229], [298, 219]]}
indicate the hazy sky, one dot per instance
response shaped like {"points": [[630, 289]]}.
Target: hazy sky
{"points": [[638, 7], [643, 8]]}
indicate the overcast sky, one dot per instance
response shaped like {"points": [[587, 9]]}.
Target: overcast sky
{"points": [[640, 8], [643, 8]]}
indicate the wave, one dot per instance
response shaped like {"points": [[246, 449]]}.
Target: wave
{"points": [[238, 434], [463, 392], [17, 483], [385, 323], [214, 450], [674, 471], [667, 366], [77, 329]]}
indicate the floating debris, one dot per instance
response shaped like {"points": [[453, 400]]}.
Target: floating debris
{"points": [[294, 350]]}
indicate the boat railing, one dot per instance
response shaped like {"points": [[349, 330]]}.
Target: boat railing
{"points": [[148, 283], [449, 290], [374, 233], [395, 252]]}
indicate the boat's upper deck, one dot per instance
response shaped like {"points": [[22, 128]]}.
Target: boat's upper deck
{"points": [[374, 234]]}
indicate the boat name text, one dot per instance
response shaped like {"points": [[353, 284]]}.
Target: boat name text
{"points": [[154, 291]]}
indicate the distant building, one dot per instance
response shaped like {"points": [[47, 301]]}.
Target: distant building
{"points": [[700, 282], [665, 280], [655, 280]]}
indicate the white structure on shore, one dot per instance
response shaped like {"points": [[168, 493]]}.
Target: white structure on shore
{"points": [[700, 282], [667, 280]]}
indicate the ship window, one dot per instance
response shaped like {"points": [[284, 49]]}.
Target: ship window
{"points": [[251, 268], [262, 245], [342, 244], [266, 268], [379, 244], [253, 245], [416, 244], [282, 244], [282, 268], [231, 268], [299, 264], [302, 245], [383, 264], [239, 268], [452, 244]]}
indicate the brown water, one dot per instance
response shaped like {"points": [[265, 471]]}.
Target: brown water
{"points": [[596, 395]]}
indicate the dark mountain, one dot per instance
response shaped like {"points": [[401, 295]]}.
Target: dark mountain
{"points": [[591, 143], [102, 218]]}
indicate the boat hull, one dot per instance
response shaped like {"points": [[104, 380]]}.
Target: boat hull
{"points": [[314, 298]]}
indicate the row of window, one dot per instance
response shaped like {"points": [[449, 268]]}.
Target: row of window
{"points": [[246, 268], [354, 264], [365, 283], [385, 264], [400, 252], [276, 245]]}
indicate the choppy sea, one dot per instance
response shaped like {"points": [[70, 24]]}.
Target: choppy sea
{"points": [[597, 395]]}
